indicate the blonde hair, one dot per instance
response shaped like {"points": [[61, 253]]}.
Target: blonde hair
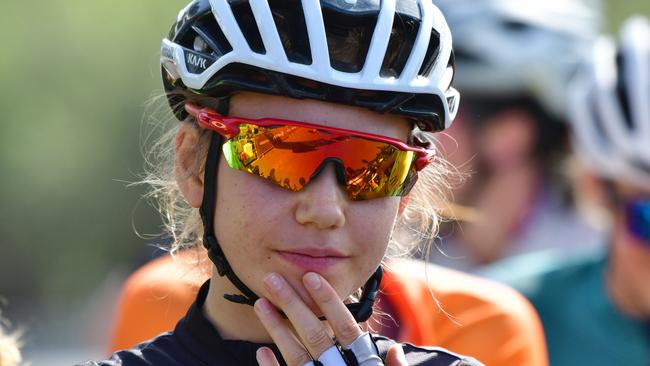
{"points": [[414, 229], [9, 348]]}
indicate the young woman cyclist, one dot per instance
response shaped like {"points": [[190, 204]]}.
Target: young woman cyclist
{"points": [[304, 126], [513, 128]]}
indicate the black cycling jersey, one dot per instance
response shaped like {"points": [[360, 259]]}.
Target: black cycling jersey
{"points": [[195, 341]]}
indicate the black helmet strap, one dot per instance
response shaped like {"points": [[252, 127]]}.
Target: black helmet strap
{"points": [[210, 242], [361, 310]]}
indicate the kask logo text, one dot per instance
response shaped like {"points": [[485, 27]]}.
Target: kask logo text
{"points": [[197, 61]]}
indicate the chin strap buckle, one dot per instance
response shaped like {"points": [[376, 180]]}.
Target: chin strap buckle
{"points": [[239, 299]]}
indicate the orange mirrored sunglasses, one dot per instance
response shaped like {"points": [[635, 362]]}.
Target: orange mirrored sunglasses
{"points": [[290, 154]]}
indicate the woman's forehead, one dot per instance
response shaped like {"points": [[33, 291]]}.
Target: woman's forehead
{"points": [[255, 105]]}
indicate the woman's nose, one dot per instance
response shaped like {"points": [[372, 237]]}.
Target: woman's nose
{"points": [[323, 202]]}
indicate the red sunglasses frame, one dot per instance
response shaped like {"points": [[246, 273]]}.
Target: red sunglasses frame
{"points": [[228, 127]]}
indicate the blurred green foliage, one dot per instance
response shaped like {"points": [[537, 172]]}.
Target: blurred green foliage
{"points": [[75, 76], [616, 11]]}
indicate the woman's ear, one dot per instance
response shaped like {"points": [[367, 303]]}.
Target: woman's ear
{"points": [[187, 165]]}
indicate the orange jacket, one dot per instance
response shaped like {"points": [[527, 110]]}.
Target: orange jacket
{"points": [[468, 315]]}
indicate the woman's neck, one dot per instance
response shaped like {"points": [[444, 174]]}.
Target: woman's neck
{"points": [[233, 321]]}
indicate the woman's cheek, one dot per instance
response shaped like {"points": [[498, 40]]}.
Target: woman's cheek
{"points": [[375, 217], [372, 222]]}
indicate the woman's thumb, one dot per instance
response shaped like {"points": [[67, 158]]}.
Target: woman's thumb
{"points": [[395, 356]]}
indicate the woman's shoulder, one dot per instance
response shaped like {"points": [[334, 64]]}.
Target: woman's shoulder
{"points": [[162, 350], [425, 356], [165, 350]]}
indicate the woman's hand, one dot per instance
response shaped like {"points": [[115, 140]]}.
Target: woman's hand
{"points": [[311, 340]]}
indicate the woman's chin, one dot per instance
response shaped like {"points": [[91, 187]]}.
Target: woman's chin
{"points": [[307, 300]]}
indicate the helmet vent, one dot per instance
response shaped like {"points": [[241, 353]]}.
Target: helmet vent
{"points": [[246, 20], [515, 26], [212, 35], [348, 38], [622, 93], [600, 128], [290, 21], [400, 44], [206, 37], [451, 102], [431, 56]]}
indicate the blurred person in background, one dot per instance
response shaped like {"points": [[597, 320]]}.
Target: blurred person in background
{"points": [[596, 308], [514, 63], [268, 94]]}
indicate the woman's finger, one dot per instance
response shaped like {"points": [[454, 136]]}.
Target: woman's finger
{"points": [[265, 357], [395, 356], [310, 329], [346, 329], [293, 352]]}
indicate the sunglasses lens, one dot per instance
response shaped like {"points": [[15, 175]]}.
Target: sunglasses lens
{"points": [[638, 219], [289, 156], [388, 172]]}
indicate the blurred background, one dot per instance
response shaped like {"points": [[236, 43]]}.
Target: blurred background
{"points": [[76, 77]]}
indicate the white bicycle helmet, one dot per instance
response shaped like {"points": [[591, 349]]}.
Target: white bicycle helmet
{"points": [[611, 106], [506, 48], [402, 62]]}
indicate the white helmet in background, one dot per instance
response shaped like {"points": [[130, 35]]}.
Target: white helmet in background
{"points": [[610, 106], [506, 48]]}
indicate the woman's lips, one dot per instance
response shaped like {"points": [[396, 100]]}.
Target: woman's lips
{"points": [[311, 262]]}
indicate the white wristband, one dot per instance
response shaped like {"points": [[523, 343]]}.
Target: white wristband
{"points": [[310, 363], [365, 351], [332, 357]]}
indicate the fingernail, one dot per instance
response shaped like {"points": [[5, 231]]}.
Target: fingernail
{"points": [[312, 280], [395, 356], [399, 354], [263, 356], [273, 281], [263, 306]]}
